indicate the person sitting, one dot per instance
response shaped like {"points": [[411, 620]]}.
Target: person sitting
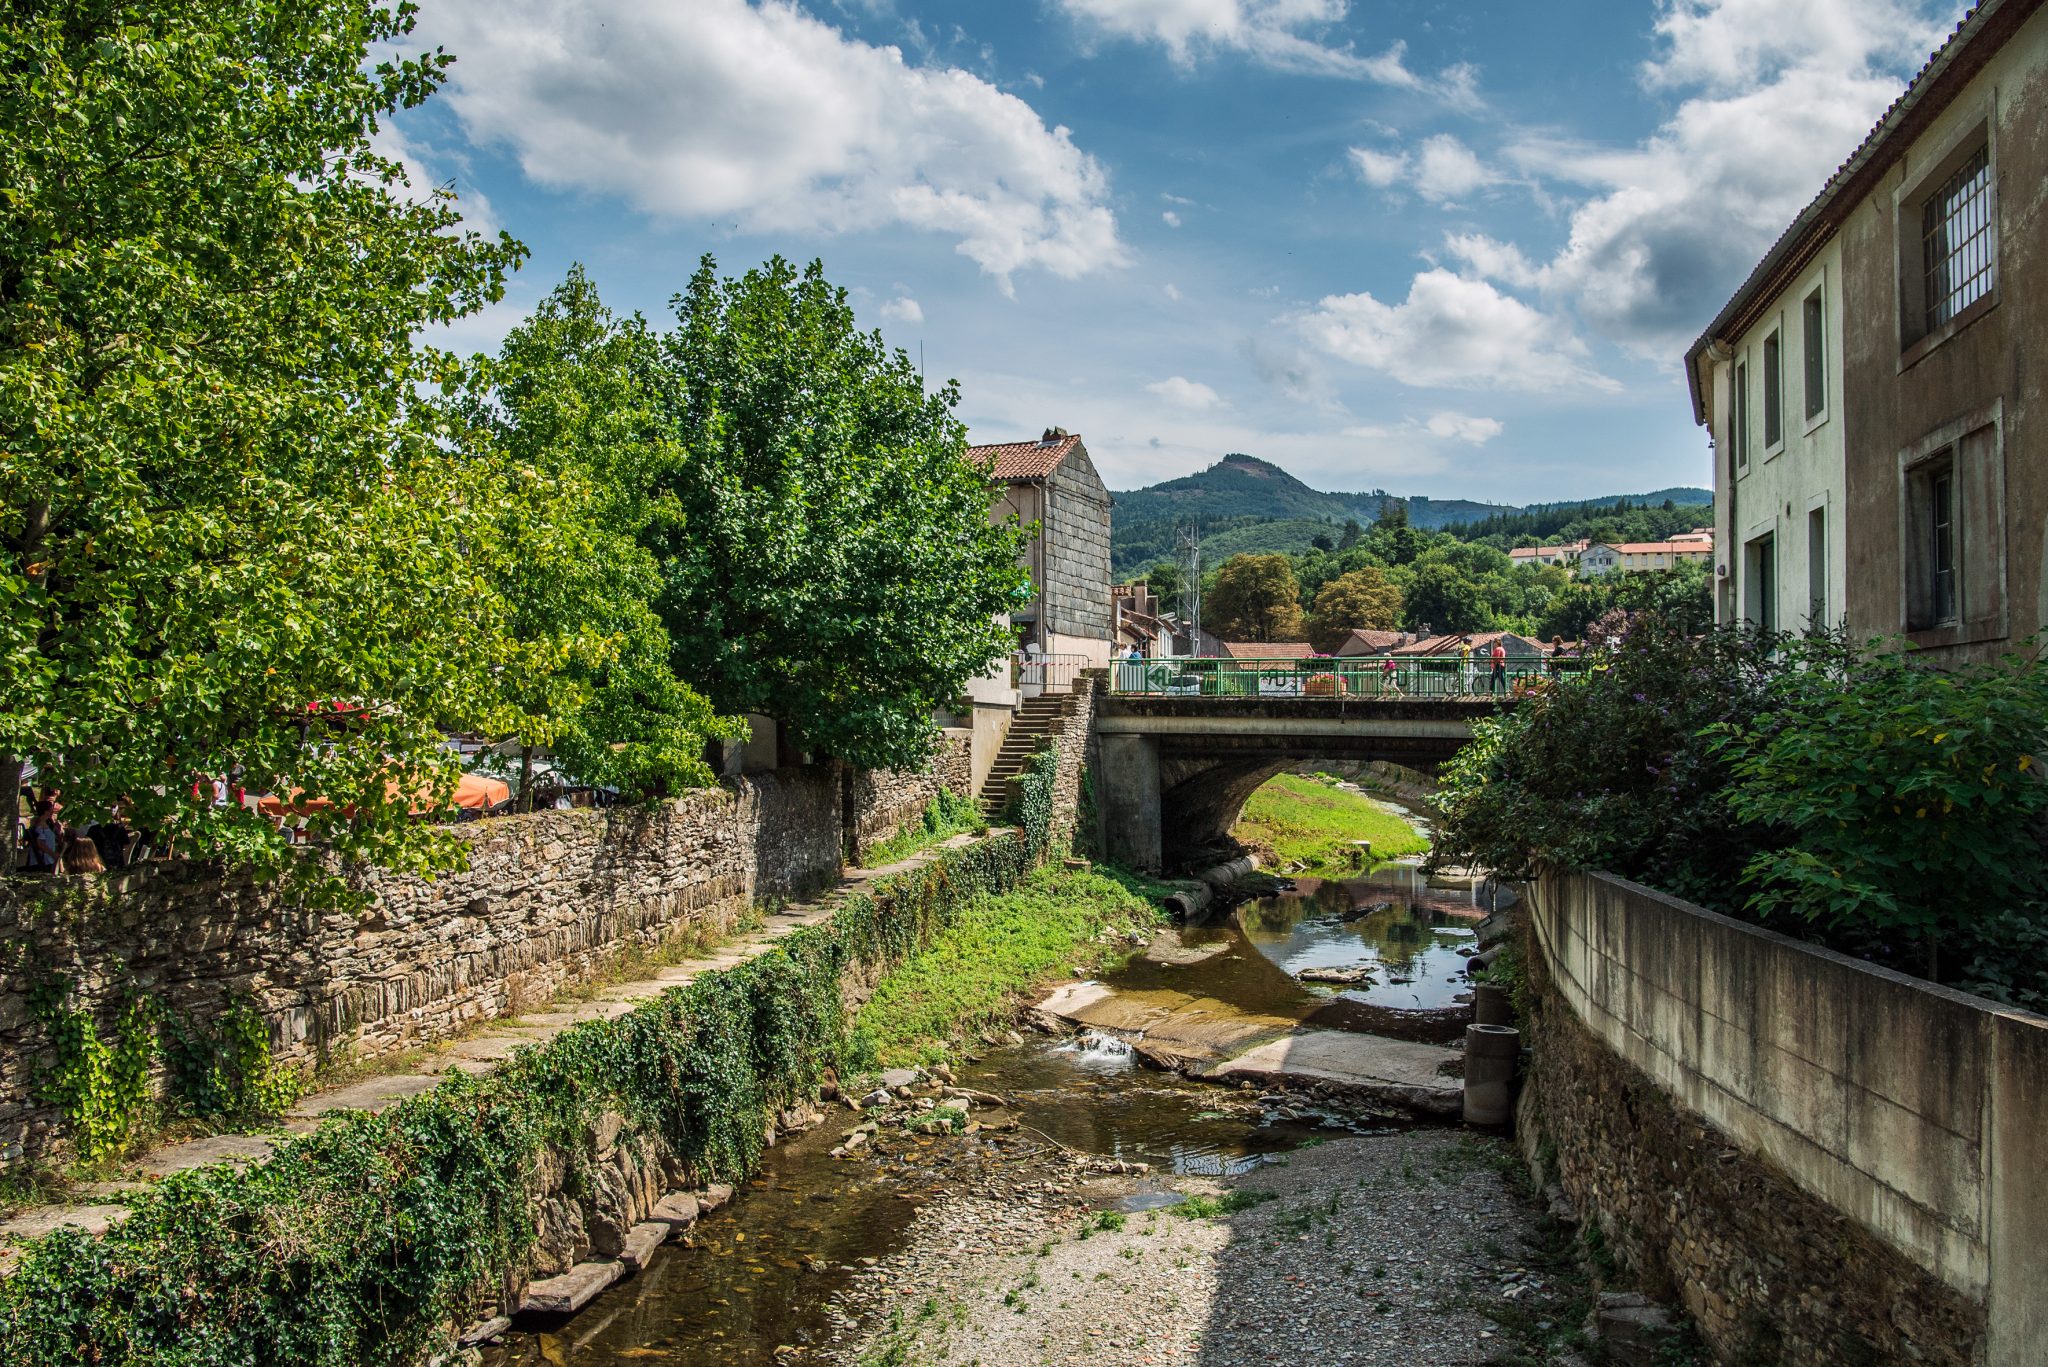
{"points": [[81, 856], [112, 837], [45, 837]]}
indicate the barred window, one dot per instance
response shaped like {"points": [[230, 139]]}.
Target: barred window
{"points": [[1958, 263]]}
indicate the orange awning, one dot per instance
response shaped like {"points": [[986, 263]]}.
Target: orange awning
{"points": [[474, 792]]}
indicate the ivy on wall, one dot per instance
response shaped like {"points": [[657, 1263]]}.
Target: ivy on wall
{"points": [[1031, 804], [357, 1244]]}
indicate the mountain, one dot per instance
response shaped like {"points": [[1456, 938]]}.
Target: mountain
{"points": [[1248, 505]]}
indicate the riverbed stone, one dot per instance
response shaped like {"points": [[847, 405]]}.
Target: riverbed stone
{"points": [[714, 1195], [572, 1290], [679, 1209], [641, 1241]]}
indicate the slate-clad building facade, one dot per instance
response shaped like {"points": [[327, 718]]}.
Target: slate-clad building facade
{"points": [[1053, 483]]}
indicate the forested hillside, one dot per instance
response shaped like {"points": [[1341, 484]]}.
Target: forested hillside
{"points": [[1245, 505]]}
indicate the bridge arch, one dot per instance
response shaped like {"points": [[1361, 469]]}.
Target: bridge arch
{"points": [[1174, 773]]}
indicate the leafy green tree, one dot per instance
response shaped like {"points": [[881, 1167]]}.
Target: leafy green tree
{"points": [[220, 505], [825, 545], [1364, 599], [572, 405], [1255, 598], [1352, 532], [1167, 581], [1444, 598]]}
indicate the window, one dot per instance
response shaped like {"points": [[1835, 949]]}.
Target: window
{"points": [[1817, 567], [1761, 566], [1739, 415], [1816, 356], [1933, 587], [1774, 393], [1958, 264]]}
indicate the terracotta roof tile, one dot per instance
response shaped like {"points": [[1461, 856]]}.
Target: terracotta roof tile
{"points": [[1268, 650], [1014, 460]]}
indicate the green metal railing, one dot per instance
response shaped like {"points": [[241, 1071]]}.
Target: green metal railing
{"points": [[1361, 676]]}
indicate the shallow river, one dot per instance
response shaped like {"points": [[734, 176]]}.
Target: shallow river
{"points": [[763, 1271]]}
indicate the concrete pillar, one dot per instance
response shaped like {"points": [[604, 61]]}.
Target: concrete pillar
{"points": [[1127, 790]]}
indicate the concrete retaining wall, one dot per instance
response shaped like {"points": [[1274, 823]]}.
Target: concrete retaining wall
{"points": [[1905, 1125]]}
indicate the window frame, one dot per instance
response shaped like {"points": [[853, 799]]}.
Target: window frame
{"points": [[1941, 161], [1813, 318], [1773, 349], [1738, 412], [1972, 449]]}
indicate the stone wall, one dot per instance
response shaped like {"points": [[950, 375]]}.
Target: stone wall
{"points": [[879, 803], [547, 898], [1825, 1161], [1075, 743], [1077, 552]]}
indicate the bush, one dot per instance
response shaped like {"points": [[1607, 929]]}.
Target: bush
{"points": [[1856, 796], [1899, 800], [1610, 769]]}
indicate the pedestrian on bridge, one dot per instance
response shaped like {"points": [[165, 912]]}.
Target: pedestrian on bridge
{"points": [[1465, 672], [1499, 682]]}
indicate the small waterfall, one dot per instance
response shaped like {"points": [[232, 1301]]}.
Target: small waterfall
{"points": [[1093, 1047]]}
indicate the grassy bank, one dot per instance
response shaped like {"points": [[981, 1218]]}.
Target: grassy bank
{"points": [[968, 977], [1311, 822]]}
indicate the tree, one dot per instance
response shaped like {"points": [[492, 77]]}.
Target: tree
{"points": [[220, 504], [825, 545], [1364, 599], [571, 404], [1444, 598], [1166, 580], [1322, 542], [1352, 531], [1255, 598]]}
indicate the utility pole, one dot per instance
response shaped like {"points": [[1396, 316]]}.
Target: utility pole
{"points": [[1191, 594]]}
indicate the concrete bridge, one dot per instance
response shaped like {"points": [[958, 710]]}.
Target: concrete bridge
{"points": [[1174, 772]]}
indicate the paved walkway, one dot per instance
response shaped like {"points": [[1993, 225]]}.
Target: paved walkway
{"points": [[477, 1053]]}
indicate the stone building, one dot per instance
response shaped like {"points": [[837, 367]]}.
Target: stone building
{"points": [[1053, 483], [1875, 390]]}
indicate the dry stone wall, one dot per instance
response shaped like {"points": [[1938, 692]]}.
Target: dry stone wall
{"points": [[547, 898], [879, 803]]}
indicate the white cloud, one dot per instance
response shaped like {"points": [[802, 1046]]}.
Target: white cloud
{"points": [[1442, 170], [422, 185], [1452, 333], [1282, 34], [1464, 427], [1170, 218], [766, 116], [1779, 95], [1731, 45], [1182, 392], [1447, 169], [902, 309], [1491, 259], [1172, 291], [1380, 168]]}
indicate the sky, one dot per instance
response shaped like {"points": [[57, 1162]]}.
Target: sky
{"points": [[1453, 249]]}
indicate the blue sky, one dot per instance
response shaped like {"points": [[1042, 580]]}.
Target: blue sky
{"points": [[1447, 249]]}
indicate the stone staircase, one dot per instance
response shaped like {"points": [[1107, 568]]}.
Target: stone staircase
{"points": [[1037, 723]]}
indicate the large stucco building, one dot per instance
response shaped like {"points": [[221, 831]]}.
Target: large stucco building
{"points": [[1877, 390]]}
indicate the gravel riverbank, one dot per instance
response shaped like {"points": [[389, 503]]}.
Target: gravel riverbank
{"points": [[1406, 1248]]}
